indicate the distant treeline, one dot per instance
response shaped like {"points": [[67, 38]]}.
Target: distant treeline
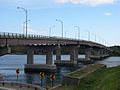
{"points": [[115, 50]]}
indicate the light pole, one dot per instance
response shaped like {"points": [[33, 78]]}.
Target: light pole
{"points": [[95, 36], [25, 16], [78, 31], [50, 30], [88, 35], [65, 33], [24, 26], [61, 26], [99, 39]]}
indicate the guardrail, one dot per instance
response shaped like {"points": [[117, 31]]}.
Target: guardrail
{"points": [[17, 35], [31, 36], [19, 86]]}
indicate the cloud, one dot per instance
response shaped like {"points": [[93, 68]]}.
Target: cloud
{"points": [[86, 2], [107, 14], [27, 3]]}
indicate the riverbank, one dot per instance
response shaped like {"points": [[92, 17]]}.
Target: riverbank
{"points": [[102, 79]]}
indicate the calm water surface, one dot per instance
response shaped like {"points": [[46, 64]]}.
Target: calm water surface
{"points": [[9, 63]]}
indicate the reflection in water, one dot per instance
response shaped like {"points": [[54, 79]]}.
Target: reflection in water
{"points": [[9, 63], [29, 78]]}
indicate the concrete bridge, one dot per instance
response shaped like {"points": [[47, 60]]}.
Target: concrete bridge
{"points": [[92, 50]]}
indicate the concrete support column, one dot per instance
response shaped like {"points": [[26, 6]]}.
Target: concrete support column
{"points": [[104, 53], [88, 53], [49, 57], [98, 53], [101, 53], [30, 55], [58, 53], [74, 53], [9, 49], [107, 53]]}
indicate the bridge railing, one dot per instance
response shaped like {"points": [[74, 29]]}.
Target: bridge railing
{"points": [[16, 35], [30, 36]]}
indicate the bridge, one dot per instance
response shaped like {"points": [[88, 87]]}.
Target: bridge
{"points": [[47, 45]]}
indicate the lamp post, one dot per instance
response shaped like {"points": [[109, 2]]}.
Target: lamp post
{"points": [[24, 26], [61, 26], [88, 35], [65, 33], [99, 39], [78, 31], [25, 16], [95, 36], [50, 30]]}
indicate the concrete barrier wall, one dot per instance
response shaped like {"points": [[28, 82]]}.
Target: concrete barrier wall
{"points": [[21, 86], [71, 80]]}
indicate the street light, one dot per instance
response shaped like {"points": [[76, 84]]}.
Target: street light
{"points": [[61, 25], [65, 33], [78, 31], [99, 39], [24, 26], [50, 30], [88, 35], [25, 16], [95, 36]]}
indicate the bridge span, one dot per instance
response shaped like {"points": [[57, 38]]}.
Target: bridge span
{"points": [[47, 45]]}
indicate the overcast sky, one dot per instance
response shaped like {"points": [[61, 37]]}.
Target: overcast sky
{"points": [[99, 17]]}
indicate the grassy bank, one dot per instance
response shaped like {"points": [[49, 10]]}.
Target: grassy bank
{"points": [[102, 79]]}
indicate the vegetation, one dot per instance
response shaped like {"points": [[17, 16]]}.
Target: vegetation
{"points": [[115, 50], [85, 70], [102, 79]]}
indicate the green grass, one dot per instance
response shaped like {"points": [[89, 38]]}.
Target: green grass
{"points": [[102, 79], [85, 70]]}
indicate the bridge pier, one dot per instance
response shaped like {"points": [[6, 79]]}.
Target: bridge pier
{"points": [[88, 53], [104, 53], [96, 55], [73, 49], [30, 56], [48, 67], [49, 56], [58, 53], [101, 53], [74, 54]]}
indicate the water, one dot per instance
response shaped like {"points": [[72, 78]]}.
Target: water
{"points": [[110, 61], [9, 63]]}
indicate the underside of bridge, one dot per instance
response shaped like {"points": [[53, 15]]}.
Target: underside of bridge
{"points": [[91, 53], [73, 50]]}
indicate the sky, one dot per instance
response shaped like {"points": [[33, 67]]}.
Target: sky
{"points": [[100, 18]]}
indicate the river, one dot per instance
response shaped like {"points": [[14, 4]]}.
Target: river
{"points": [[9, 63]]}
